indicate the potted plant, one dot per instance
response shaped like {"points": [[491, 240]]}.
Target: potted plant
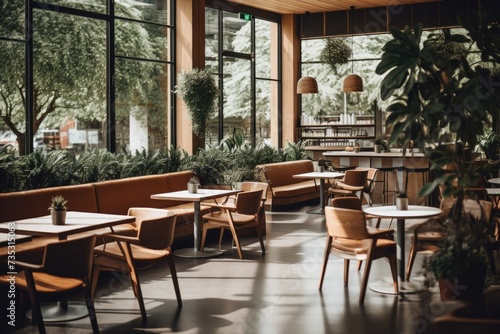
{"points": [[444, 106], [402, 201], [58, 210], [199, 91], [193, 185], [380, 145]]}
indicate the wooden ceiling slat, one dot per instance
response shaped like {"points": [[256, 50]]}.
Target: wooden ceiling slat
{"points": [[317, 6]]}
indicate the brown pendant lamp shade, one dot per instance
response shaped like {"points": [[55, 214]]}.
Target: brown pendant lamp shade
{"points": [[307, 85], [353, 83]]}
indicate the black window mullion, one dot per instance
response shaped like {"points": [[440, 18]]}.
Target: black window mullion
{"points": [[253, 113], [28, 59], [110, 80]]}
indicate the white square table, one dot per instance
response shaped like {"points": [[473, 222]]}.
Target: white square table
{"points": [[76, 222], [196, 198]]}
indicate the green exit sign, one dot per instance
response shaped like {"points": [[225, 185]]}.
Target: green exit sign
{"points": [[246, 17]]}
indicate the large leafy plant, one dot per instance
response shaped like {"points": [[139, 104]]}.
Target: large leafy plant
{"points": [[445, 105]]}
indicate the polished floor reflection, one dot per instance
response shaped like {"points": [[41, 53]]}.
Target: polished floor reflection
{"points": [[275, 293]]}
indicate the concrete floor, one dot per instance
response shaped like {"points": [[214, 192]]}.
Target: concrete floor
{"points": [[276, 293]]}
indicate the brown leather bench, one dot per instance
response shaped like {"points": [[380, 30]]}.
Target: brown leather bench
{"points": [[284, 189]]}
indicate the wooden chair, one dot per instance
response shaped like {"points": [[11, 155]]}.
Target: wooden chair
{"points": [[353, 182], [244, 213], [128, 253], [428, 235], [64, 272], [369, 187], [349, 238]]}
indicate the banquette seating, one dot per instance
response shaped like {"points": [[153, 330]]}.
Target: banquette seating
{"points": [[283, 188], [113, 197]]}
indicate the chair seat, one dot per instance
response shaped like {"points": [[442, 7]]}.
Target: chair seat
{"points": [[430, 236], [221, 216], [46, 283], [139, 253], [358, 247]]}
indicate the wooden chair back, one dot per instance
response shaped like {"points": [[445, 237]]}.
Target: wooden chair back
{"points": [[345, 223], [70, 258], [249, 202], [356, 177], [250, 185], [156, 227], [347, 202]]}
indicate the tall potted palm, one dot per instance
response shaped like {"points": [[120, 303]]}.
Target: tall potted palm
{"points": [[444, 105]]}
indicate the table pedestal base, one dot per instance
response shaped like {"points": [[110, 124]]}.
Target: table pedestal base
{"points": [[62, 312], [191, 253], [386, 286], [317, 211]]}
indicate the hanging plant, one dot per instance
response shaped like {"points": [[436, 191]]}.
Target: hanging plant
{"points": [[335, 52], [199, 91]]}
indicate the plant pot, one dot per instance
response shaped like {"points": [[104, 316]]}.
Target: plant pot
{"points": [[192, 188], [58, 217], [468, 286], [377, 148], [402, 203]]}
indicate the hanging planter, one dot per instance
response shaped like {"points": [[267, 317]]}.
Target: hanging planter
{"points": [[336, 52], [199, 91]]}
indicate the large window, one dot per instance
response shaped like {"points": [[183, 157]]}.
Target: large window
{"points": [[83, 91], [243, 55]]}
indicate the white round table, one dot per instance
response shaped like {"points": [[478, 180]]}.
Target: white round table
{"points": [[390, 211], [495, 180]]}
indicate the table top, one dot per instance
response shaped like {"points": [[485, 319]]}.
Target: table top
{"points": [[319, 175], [76, 222], [495, 180], [493, 191], [201, 195], [414, 211]]}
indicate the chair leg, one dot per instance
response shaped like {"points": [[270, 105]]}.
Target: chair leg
{"points": [[203, 237], [95, 281], [394, 271], [346, 271], [411, 260], [173, 272], [236, 241], [366, 275], [36, 312], [325, 261], [134, 279], [360, 263], [221, 235], [262, 247], [91, 310]]}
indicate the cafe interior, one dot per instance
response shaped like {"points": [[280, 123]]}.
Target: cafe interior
{"points": [[393, 105]]}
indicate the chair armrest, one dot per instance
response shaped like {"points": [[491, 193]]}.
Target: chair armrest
{"points": [[379, 233], [123, 238], [347, 187], [29, 266], [224, 207]]}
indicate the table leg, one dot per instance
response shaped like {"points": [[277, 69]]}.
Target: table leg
{"points": [[386, 285], [61, 312], [321, 210], [400, 241], [195, 253]]}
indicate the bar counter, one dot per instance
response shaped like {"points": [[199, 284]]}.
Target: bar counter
{"points": [[386, 159]]}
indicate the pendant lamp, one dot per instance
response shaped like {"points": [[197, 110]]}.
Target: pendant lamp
{"points": [[307, 85], [353, 82]]}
